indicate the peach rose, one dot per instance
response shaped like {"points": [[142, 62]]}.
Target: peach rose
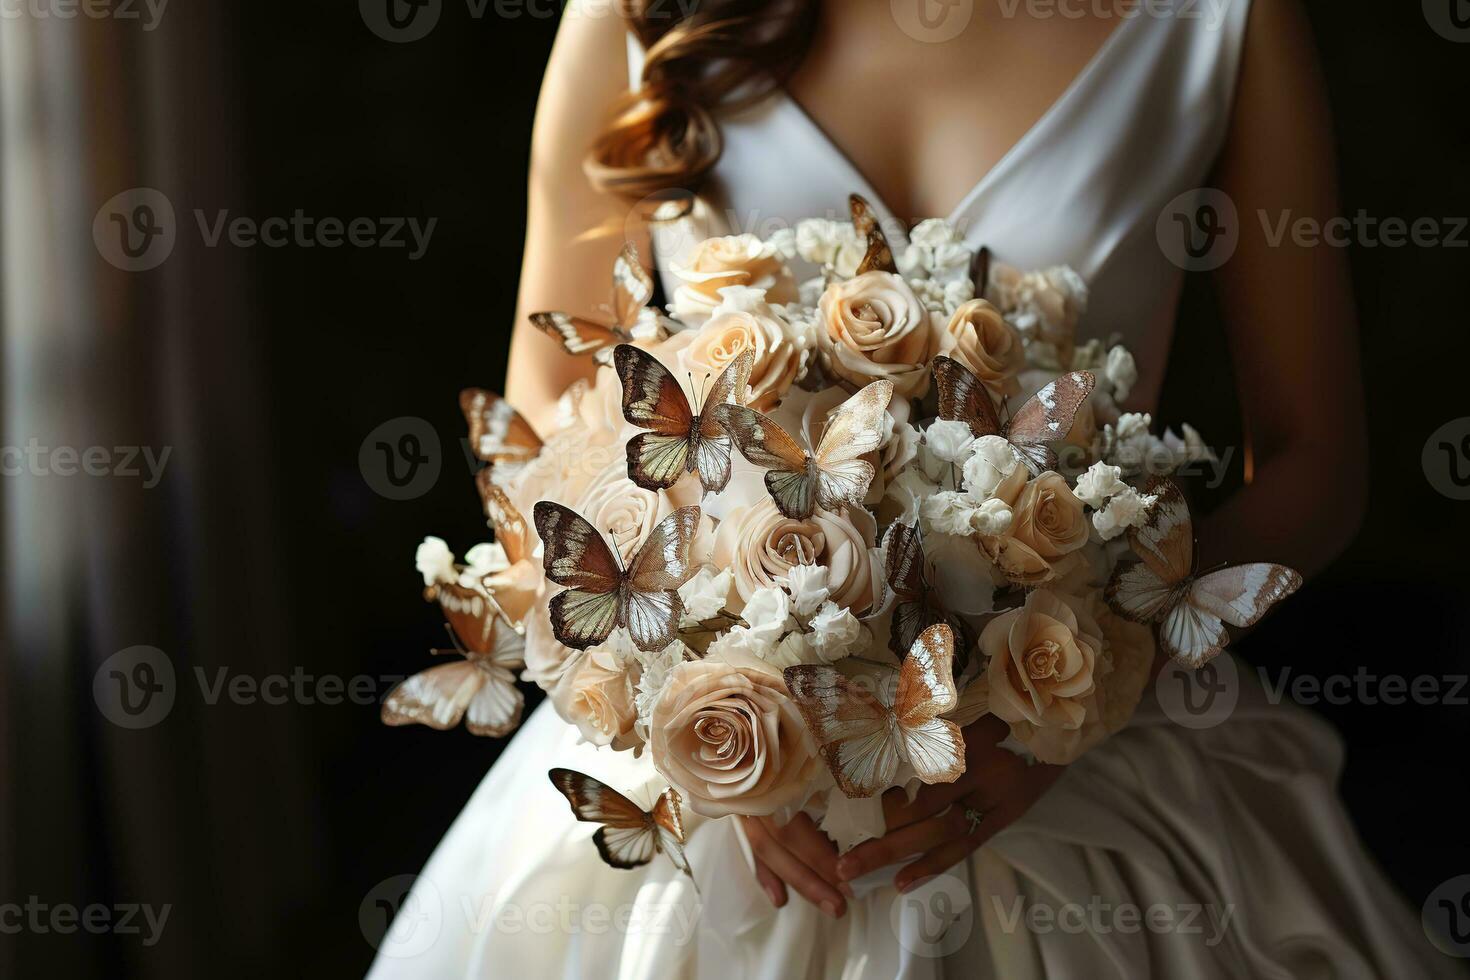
{"points": [[1047, 526], [1121, 674], [625, 512], [548, 662], [760, 545], [735, 260], [1043, 657], [731, 332], [873, 326], [727, 734], [598, 697], [979, 338]]}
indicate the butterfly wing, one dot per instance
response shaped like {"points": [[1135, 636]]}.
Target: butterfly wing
{"points": [[511, 532], [499, 435], [470, 614], [853, 729], [1136, 592], [933, 745], [790, 479], [578, 335], [879, 256], [1047, 416], [627, 837], [436, 697], [654, 576], [1165, 541], [1239, 595], [652, 399], [1191, 635], [668, 823], [496, 709], [963, 398], [903, 566], [632, 287], [854, 430], [712, 444], [577, 557]]}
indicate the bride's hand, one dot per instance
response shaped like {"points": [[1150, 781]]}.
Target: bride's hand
{"points": [[800, 855], [996, 784]]}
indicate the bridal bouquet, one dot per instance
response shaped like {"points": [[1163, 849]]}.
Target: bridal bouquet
{"points": [[804, 527]]}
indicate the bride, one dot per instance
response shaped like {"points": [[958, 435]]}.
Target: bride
{"points": [[1052, 134]]}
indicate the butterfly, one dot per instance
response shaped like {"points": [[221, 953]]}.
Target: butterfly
{"points": [[629, 836], [1191, 609], [879, 255], [681, 441], [632, 289], [600, 594], [513, 589], [480, 688], [864, 736], [499, 435], [907, 573], [833, 476], [1044, 418]]}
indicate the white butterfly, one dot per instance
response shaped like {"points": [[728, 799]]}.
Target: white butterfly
{"points": [[1191, 610]]}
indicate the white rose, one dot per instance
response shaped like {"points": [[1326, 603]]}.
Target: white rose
{"points": [[705, 594], [808, 587], [1121, 372], [992, 517], [990, 462], [435, 561], [1099, 483], [766, 615], [835, 630], [948, 512], [949, 440], [1126, 509]]}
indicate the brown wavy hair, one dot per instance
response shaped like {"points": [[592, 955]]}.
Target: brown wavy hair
{"points": [[700, 58]]}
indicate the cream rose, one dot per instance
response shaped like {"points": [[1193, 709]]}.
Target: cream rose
{"points": [[735, 260], [727, 734], [760, 546], [1048, 524], [979, 338], [873, 326], [1043, 657], [598, 697], [731, 332]]}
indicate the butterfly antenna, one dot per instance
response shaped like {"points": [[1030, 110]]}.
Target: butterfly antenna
{"points": [[454, 639]]}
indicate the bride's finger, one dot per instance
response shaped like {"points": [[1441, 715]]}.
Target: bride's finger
{"points": [[793, 871], [916, 838], [807, 841], [939, 860], [774, 887]]}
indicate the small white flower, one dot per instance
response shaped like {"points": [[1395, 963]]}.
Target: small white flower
{"points": [[1191, 448], [654, 675], [1099, 483], [992, 518], [487, 558], [835, 630], [792, 651], [705, 594], [949, 512], [808, 585], [1121, 372], [767, 613], [990, 462], [435, 561], [949, 440], [910, 491], [1126, 509], [782, 242]]}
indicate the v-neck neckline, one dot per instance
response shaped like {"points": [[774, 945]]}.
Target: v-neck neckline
{"points": [[1007, 159]]}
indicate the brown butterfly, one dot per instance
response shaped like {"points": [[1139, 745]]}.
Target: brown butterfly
{"points": [[1191, 609], [879, 256], [480, 688], [600, 594], [681, 441], [499, 435], [632, 289], [865, 734], [629, 836], [907, 574], [832, 477], [1044, 418], [513, 589]]}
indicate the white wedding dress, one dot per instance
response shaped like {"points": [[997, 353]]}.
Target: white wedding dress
{"points": [[1236, 828]]}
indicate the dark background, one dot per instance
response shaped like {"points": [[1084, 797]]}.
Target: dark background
{"points": [[267, 550]]}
